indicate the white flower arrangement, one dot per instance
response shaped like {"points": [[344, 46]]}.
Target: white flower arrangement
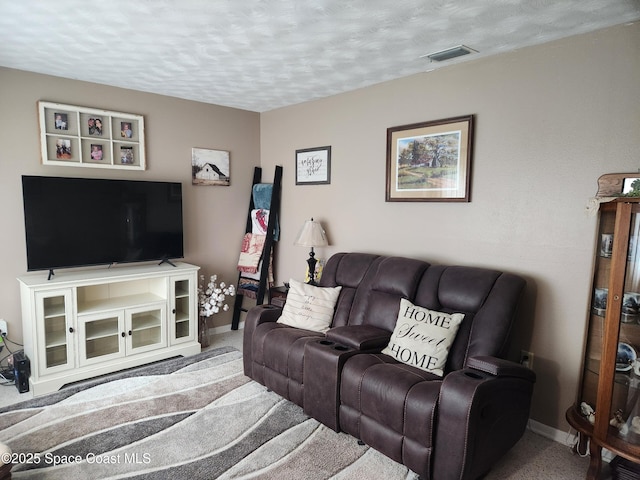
{"points": [[212, 297]]}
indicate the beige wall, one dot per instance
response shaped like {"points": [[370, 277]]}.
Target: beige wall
{"points": [[212, 222], [549, 121]]}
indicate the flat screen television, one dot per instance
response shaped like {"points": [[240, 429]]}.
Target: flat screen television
{"points": [[73, 222]]}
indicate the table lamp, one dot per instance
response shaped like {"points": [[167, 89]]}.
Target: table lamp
{"points": [[311, 235]]}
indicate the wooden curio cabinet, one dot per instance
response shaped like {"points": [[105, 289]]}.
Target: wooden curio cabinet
{"points": [[607, 410]]}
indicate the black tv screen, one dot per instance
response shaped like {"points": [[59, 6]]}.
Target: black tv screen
{"points": [[72, 222]]}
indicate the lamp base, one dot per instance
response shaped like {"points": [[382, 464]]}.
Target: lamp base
{"points": [[311, 262]]}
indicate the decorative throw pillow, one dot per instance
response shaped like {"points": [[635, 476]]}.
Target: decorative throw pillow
{"points": [[422, 337], [309, 307]]}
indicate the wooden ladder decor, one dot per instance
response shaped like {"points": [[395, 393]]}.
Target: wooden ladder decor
{"points": [[266, 259]]}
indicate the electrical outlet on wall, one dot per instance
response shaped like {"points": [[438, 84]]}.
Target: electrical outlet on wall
{"points": [[526, 359], [3, 327]]}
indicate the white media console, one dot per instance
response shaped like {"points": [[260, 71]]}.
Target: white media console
{"points": [[85, 323]]}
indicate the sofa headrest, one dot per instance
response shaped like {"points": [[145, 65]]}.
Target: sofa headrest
{"points": [[391, 279], [465, 288], [346, 269], [399, 276], [350, 271]]}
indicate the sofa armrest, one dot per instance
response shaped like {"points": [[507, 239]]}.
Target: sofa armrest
{"points": [[360, 337], [501, 368], [483, 411], [257, 315]]}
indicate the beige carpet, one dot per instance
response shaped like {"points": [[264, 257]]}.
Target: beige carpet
{"points": [[203, 420], [154, 445]]}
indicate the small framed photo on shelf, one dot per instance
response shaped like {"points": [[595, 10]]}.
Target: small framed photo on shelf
{"points": [[430, 161], [313, 166]]}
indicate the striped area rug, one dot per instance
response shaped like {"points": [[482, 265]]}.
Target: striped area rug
{"points": [[192, 418]]}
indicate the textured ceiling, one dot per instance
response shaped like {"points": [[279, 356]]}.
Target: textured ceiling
{"points": [[263, 54]]}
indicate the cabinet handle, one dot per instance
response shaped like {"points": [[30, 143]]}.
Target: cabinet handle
{"points": [[70, 329], [173, 311], [130, 333], [123, 334]]}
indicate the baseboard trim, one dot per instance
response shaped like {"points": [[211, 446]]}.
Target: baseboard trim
{"points": [[565, 438], [224, 328]]}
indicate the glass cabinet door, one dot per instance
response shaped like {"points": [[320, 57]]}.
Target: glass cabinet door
{"points": [[145, 328], [183, 315], [100, 337], [625, 403], [611, 377], [55, 330], [599, 300]]}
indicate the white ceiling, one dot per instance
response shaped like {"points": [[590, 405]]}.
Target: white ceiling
{"points": [[263, 54]]}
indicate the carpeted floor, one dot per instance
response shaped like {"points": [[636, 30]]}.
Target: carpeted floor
{"points": [[181, 419]]}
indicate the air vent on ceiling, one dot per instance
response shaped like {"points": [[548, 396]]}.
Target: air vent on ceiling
{"points": [[449, 53]]}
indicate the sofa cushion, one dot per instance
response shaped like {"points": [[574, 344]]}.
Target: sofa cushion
{"points": [[422, 337], [376, 395], [309, 307]]}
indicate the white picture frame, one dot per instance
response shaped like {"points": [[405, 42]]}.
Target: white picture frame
{"points": [[88, 137]]}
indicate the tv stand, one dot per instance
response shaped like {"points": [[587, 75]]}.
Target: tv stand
{"points": [[87, 323], [51, 274], [166, 260]]}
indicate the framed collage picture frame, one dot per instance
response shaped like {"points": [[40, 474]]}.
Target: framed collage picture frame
{"points": [[88, 137], [430, 161]]}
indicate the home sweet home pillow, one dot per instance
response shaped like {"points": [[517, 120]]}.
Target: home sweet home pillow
{"points": [[309, 307], [422, 337]]}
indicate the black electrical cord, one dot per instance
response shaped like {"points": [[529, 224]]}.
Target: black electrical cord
{"points": [[7, 372], [7, 339], [7, 347]]}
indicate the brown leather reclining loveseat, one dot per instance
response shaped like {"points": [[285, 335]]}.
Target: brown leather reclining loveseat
{"points": [[454, 426]]}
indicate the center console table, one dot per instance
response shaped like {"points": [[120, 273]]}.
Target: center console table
{"points": [[85, 323]]}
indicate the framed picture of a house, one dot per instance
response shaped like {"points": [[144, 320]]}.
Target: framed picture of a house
{"points": [[210, 167], [430, 161]]}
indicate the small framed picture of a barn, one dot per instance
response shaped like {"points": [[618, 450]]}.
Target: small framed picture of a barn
{"points": [[210, 167], [430, 161]]}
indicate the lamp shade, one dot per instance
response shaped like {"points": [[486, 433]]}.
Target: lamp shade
{"points": [[311, 235]]}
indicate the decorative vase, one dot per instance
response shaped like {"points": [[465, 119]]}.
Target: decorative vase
{"points": [[203, 331]]}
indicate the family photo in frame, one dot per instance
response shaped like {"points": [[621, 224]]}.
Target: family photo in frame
{"points": [[77, 136]]}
